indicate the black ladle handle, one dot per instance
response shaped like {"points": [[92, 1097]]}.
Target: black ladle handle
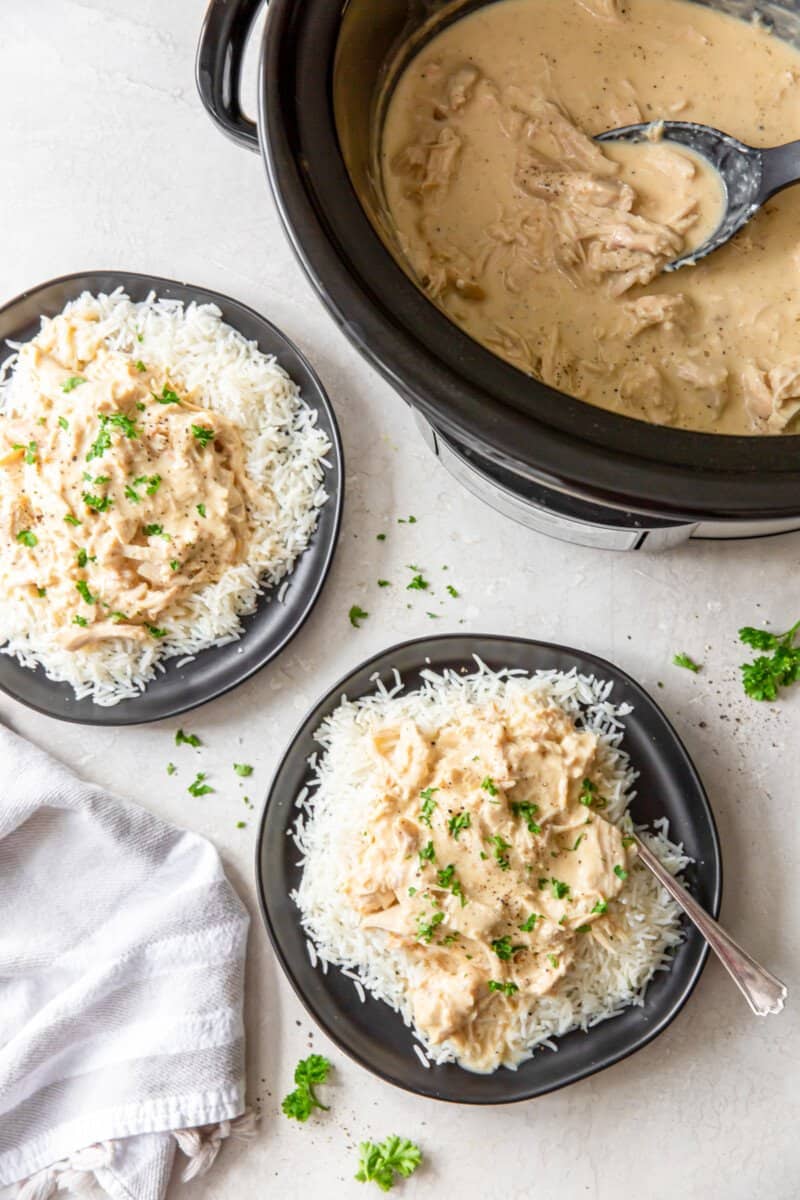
{"points": [[218, 67], [780, 168]]}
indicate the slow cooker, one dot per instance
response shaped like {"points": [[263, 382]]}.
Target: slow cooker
{"points": [[552, 462]]}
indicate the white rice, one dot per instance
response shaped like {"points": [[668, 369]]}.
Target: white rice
{"points": [[285, 454], [335, 809]]}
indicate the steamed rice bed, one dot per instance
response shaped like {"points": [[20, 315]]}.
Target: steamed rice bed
{"points": [[284, 456], [334, 810]]}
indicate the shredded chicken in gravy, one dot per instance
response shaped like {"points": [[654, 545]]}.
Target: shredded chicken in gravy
{"points": [[119, 494], [548, 247], [486, 860]]}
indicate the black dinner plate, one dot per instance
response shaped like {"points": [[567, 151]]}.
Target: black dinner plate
{"points": [[668, 786], [270, 628]]}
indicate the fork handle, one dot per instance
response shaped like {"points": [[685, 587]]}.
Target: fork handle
{"points": [[763, 992]]}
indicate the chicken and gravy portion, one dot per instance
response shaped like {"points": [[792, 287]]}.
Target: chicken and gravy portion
{"points": [[120, 494], [548, 247], [485, 862]]}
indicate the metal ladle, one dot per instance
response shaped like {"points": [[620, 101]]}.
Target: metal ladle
{"points": [[763, 992], [749, 175]]}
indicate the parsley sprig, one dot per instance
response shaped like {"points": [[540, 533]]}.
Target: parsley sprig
{"points": [[380, 1162], [763, 677], [309, 1072]]}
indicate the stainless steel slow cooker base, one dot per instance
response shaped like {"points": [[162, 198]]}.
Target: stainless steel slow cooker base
{"points": [[578, 519]]}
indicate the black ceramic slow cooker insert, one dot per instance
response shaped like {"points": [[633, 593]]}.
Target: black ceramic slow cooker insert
{"points": [[549, 460]]}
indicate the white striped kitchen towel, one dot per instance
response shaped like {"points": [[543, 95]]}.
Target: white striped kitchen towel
{"points": [[122, 951]]}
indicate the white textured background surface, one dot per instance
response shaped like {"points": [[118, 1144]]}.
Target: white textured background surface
{"points": [[107, 160]]}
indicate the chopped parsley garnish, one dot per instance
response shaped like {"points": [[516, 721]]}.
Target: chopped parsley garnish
{"points": [[418, 584], [412, 891], [168, 396], [201, 508], [452, 591], [141, 405], [82, 588], [589, 795], [153, 483], [70, 520], [446, 878], [309, 1072], [380, 537], [503, 948], [98, 503], [241, 824], [100, 480], [171, 768], [551, 958], [527, 811], [63, 423], [174, 565], [460, 821], [489, 786], [103, 440], [428, 805], [140, 365], [27, 538], [357, 615], [528, 926], [70, 384], [203, 434], [197, 787], [77, 620], [600, 907], [427, 928], [560, 890], [508, 989], [500, 847], [584, 929], [100, 444], [132, 495], [380, 1162], [155, 531], [383, 583], [406, 520], [683, 660], [31, 453], [187, 739], [243, 769], [427, 854], [578, 840], [620, 872], [117, 617], [40, 592], [763, 677], [628, 841], [155, 632]]}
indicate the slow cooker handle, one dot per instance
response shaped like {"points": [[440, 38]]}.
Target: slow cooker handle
{"points": [[218, 68]]}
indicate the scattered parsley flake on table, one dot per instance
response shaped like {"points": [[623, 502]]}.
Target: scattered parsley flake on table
{"points": [[763, 677], [380, 1162], [187, 739], [683, 660], [309, 1072], [171, 768], [357, 615], [197, 787], [243, 769]]}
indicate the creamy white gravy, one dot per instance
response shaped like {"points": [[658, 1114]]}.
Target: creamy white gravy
{"points": [[486, 863], [548, 247]]}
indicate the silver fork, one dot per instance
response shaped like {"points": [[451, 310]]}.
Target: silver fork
{"points": [[763, 992]]}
